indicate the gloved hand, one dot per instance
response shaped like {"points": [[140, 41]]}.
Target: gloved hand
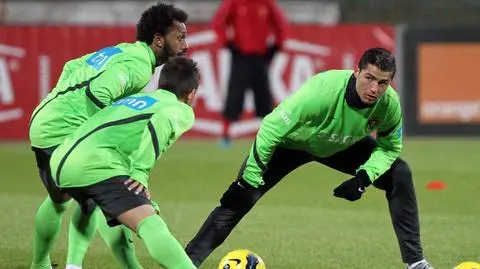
{"points": [[272, 50], [353, 188], [232, 47]]}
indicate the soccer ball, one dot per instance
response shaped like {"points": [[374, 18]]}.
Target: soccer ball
{"points": [[241, 259], [468, 265]]}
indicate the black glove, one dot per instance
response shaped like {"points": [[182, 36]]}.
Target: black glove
{"points": [[353, 188], [272, 50], [232, 47]]}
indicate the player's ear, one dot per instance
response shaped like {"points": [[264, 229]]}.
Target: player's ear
{"points": [[159, 40], [191, 96], [356, 71]]}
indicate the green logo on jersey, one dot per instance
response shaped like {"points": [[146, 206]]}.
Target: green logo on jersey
{"points": [[372, 124]]}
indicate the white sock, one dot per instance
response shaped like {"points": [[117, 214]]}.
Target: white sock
{"points": [[409, 266], [71, 266]]}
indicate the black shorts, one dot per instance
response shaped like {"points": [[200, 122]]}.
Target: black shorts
{"points": [[43, 163], [111, 195]]}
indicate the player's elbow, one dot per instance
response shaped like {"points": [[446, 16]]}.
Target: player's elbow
{"points": [[394, 152]]}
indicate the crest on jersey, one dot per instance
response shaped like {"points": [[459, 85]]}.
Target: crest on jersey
{"points": [[372, 124]]}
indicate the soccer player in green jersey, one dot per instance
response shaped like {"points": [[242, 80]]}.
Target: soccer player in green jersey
{"points": [[329, 120], [120, 145], [86, 85]]}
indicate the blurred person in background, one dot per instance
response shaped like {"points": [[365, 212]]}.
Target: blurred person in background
{"points": [[252, 22], [85, 86]]}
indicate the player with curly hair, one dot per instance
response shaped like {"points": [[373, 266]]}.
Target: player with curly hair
{"points": [[85, 86]]}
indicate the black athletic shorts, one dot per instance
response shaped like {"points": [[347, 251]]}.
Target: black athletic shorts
{"points": [[43, 163], [111, 195]]}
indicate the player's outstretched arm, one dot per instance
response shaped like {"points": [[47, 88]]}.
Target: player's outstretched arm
{"points": [[162, 130], [389, 145]]}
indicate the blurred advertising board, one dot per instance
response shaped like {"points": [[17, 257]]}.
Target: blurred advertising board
{"points": [[441, 96], [31, 59]]}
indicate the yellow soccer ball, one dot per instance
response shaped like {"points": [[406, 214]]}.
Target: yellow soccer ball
{"points": [[241, 259], [468, 265]]}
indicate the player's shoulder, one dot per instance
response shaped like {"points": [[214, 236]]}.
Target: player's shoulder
{"points": [[136, 59], [168, 107], [188, 114], [134, 53], [167, 99], [329, 81], [175, 105], [391, 100], [391, 95], [130, 48], [336, 73], [119, 52], [333, 77], [112, 50]]}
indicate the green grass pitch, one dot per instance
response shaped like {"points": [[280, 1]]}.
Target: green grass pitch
{"points": [[299, 224]]}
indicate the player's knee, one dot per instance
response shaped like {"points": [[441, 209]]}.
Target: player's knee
{"points": [[59, 207], [240, 196], [59, 197], [402, 175]]}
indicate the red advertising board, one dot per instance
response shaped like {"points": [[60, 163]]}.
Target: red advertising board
{"points": [[31, 59]]}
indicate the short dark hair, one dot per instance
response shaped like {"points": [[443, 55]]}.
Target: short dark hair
{"points": [[381, 58], [179, 75], [158, 19]]}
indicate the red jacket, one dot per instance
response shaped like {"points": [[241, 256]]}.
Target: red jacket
{"points": [[252, 21]]}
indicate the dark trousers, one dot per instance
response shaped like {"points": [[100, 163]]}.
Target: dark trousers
{"points": [[248, 72], [241, 197]]}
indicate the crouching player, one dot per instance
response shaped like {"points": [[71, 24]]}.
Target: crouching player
{"points": [[119, 145]]}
